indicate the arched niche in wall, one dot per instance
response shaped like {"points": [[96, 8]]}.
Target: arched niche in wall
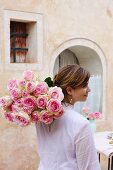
{"points": [[65, 57], [90, 56]]}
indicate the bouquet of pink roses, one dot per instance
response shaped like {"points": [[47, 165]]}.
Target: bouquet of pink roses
{"points": [[90, 115], [29, 101]]}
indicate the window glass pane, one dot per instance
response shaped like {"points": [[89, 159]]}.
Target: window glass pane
{"points": [[18, 36]]}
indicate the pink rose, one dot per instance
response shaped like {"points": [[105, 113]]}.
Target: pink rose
{"points": [[59, 114], [91, 116], [22, 83], [86, 109], [15, 93], [17, 106], [28, 75], [45, 117], [30, 87], [35, 116], [56, 93], [29, 102], [54, 105], [5, 101], [12, 84], [25, 93], [10, 116], [42, 101], [27, 110], [18, 102], [21, 118], [97, 115], [41, 88]]}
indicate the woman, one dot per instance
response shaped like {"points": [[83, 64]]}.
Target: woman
{"points": [[69, 144]]}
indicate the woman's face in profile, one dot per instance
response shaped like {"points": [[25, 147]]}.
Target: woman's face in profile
{"points": [[79, 94]]}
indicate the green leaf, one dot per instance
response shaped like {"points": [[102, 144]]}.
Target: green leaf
{"points": [[49, 81]]}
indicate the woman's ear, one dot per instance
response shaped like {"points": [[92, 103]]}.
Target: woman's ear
{"points": [[69, 90]]}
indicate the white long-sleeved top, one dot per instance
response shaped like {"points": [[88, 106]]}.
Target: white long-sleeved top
{"points": [[68, 145]]}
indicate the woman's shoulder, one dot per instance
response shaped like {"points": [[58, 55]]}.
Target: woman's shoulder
{"points": [[72, 116], [73, 122]]}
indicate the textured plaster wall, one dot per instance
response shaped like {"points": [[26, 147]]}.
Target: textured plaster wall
{"points": [[63, 20]]}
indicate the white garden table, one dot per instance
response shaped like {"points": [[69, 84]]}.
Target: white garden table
{"points": [[103, 147]]}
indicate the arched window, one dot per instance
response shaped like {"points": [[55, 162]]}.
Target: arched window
{"points": [[88, 59]]}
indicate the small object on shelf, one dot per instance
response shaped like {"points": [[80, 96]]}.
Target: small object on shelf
{"points": [[110, 136], [111, 141]]}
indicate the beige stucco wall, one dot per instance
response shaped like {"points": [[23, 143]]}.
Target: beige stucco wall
{"points": [[63, 20]]}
